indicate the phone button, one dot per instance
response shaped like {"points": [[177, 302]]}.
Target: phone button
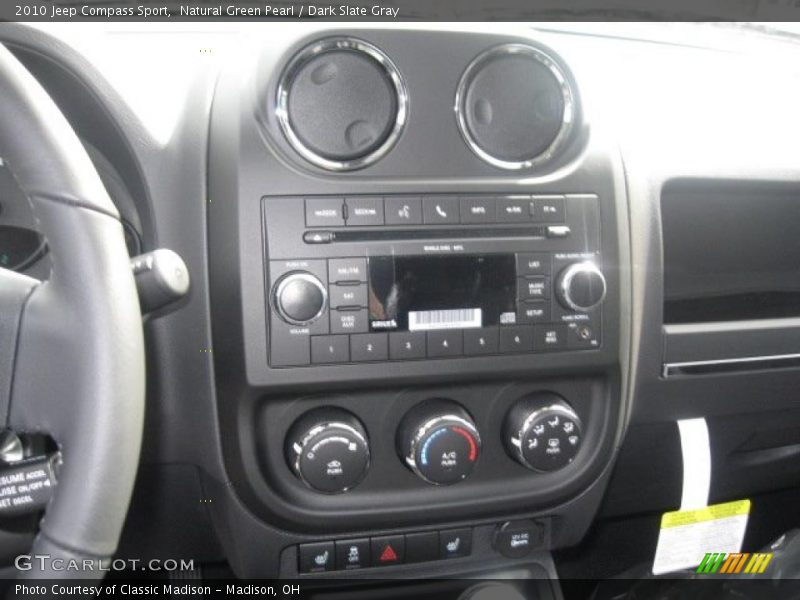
{"points": [[440, 210]]}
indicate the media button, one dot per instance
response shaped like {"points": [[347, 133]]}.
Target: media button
{"points": [[533, 312], [533, 263], [440, 210], [455, 543], [477, 210], [549, 337], [513, 210], [364, 211], [445, 343], [548, 209], [326, 349], [347, 269], [533, 288], [405, 345], [516, 339], [347, 295], [368, 346], [349, 321], [324, 212], [316, 558], [403, 210], [480, 341]]}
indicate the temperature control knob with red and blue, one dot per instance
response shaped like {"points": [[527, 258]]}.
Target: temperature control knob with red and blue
{"points": [[439, 442]]}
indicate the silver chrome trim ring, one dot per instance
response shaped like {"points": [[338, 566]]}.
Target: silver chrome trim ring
{"points": [[435, 423], [286, 280], [566, 280], [299, 448], [564, 411], [567, 94], [320, 47]]}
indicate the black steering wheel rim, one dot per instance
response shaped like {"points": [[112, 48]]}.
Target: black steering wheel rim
{"points": [[73, 345]]}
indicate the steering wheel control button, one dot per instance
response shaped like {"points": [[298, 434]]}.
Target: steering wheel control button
{"points": [[455, 543], [388, 550], [316, 558], [342, 270], [324, 212], [352, 554], [439, 442], [422, 547], [364, 211], [440, 210], [542, 432], [300, 298], [327, 449], [516, 539], [581, 286], [403, 210], [26, 485]]}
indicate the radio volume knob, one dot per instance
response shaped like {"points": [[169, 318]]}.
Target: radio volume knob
{"points": [[439, 442], [300, 298], [581, 286]]}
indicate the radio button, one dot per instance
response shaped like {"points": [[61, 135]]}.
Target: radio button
{"points": [[369, 346], [533, 312], [440, 210], [349, 321], [347, 269], [445, 343], [327, 349], [347, 295], [533, 288], [516, 339], [480, 341], [403, 210], [549, 337], [364, 211], [477, 210], [548, 209], [533, 263], [324, 212], [513, 210], [404, 345]]}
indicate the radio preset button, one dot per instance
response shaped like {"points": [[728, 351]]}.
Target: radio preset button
{"points": [[369, 346], [481, 341], [404, 210], [440, 210], [533, 312], [513, 210], [326, 349], [404, 345], [533, 288], [477, 210], [349, 321], [516, 339], [324, 212], [347, 269], [549, 337], [548, 209], [364, 211], [445, 343], [533, 263], [347, 295]]}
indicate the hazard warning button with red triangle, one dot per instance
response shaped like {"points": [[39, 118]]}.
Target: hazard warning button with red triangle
{"points": [[388, 550]]}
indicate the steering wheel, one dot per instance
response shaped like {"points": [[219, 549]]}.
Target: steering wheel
{"points": [[71, 348]]}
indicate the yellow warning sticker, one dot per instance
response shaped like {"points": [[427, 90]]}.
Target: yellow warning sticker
{"points": [[709, 513]]}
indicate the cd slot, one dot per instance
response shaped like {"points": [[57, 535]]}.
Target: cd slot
{"points": [[733, 365], [370, 235]]}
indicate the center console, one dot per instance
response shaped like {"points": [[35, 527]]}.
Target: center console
{"points": [[417, 303]]}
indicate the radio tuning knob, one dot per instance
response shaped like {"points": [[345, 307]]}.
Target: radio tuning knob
{"points": [[327, 449], [439, 442], [300, 298], [542, 432], [581, 286]]}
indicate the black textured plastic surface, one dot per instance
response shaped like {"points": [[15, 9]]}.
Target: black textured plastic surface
{"points": [[342, 105], [514, 108]]}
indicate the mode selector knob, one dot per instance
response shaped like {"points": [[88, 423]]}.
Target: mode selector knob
{"points": [[581, 286], [439, 442], [542, 432], [327, 449], [300, 298]]}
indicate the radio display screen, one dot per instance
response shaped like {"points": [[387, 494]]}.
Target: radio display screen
{"points": [[423, 293]]}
